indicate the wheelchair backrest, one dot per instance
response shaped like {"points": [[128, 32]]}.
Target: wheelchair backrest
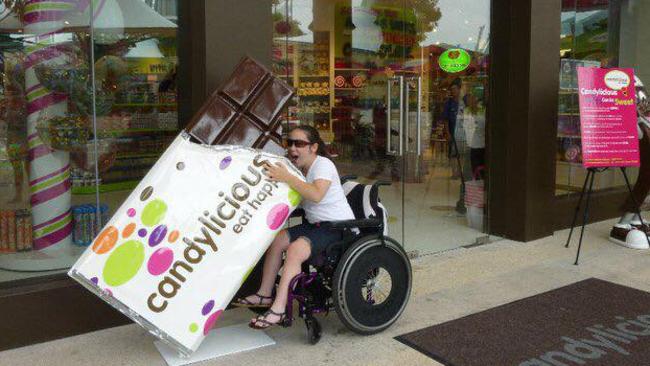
{"points": [[365, 203]]}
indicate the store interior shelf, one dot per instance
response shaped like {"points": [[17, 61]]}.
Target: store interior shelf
{"points": [[573, 164], [313, 76], [566, 187], [138, 155], [351, 69], [348, 88], [145, 105], [107, 187], [134, 130]]}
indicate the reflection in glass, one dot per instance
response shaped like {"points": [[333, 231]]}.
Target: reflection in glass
{"points": [[593, 34], [83, 110], [376, 78]]}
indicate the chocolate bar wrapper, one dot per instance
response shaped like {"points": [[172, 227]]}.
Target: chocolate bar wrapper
{"points": [[183, 242]]}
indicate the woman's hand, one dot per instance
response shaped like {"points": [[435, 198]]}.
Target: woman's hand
{"points": [[278, 172], [310, 191]]}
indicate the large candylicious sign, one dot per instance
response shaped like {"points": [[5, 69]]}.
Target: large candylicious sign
{"points": [[608, 120], [178, 249]]}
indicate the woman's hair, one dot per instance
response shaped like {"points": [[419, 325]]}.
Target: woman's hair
{"points": [[314, 137]]}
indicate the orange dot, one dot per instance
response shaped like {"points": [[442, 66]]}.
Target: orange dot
{"points": [[173, 236], [128, 230], [106, 240]]}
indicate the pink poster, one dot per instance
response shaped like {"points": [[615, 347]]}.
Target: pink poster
{"points": [[608, 120]]}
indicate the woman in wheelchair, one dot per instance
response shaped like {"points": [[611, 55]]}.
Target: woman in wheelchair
{"points": [[323, 200]]}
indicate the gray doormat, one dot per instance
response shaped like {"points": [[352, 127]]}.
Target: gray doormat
{"points": [[588, 323]]}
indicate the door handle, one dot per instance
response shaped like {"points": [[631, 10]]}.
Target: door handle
{"points": [[418, 118], [389, 148], [401, 116]]}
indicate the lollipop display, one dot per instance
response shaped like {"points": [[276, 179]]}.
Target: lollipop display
{"points": [[83, 156], [63, 132]]}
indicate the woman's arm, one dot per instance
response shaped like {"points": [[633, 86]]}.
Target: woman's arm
{"points": [[310, 191]]}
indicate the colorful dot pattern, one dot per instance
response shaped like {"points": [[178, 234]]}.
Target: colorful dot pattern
{"points": [[126, 259]]}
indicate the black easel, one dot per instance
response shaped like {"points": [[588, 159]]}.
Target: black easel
{"points": [[591, 172]]}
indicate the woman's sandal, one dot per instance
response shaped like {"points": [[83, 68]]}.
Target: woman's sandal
{"points": [[261, 319], [242, 302]]}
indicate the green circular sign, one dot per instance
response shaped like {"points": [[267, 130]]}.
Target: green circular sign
{"points": [[454, 60]]}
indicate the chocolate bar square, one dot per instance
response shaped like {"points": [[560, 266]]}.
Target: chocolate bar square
{"points": [[270, 101], [245, 110], [244, 132], [217, 115]]}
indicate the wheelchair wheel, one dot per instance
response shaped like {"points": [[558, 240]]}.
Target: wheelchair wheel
{"points": [[314, 331], [371, 285]]}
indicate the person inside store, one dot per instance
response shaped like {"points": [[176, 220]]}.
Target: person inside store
{"points": [[452, 115], [380, 140], [323, 200], [452, 108], [474, 127]]}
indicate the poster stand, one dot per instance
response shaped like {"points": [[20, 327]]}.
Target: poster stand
{"points": [[219, 342], [589, 179]]}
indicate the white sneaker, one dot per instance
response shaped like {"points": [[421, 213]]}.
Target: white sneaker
{"points": [[629, 236]]}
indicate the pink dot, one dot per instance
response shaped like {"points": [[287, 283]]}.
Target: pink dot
{"points": [[130, 212], [277, 215], [108, 292], [210, 322], [160, 261]]}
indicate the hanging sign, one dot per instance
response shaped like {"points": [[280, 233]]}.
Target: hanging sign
{"points": [[454, 60], [608, 119]]}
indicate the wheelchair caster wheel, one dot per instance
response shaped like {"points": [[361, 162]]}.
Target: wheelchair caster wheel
{"points": [[313, 330]]}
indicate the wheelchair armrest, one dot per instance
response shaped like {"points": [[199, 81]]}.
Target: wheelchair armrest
{"points": [[299, 212], [346, 178], [358, 223]]}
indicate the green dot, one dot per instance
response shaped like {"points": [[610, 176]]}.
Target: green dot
{"points": [[194, 327], [153, 212], [124, 263], [294, 198]]}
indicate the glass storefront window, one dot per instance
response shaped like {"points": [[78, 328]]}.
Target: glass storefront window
{"points": [[594, 33], [398, 91], [88, 103]]}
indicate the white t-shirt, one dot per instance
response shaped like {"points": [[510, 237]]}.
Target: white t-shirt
{"points": [[474, 126], [334, 206]]}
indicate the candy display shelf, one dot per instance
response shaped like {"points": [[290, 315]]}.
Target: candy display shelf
{"points": [[107, 187], [115, 133], [144, 105]]}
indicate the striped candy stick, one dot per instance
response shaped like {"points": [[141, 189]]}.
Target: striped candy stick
{"points": [[49, 173]]}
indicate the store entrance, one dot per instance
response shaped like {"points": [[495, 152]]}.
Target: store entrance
{"points": [[397, 90]]}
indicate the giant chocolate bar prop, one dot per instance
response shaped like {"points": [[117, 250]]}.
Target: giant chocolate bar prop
{"points": [[244, 111], [188, 236]]}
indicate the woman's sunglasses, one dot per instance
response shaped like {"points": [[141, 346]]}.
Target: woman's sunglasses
{"points": [[296, 143]]}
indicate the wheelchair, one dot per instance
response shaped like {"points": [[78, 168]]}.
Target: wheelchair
{"points": [[366, 277]]}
